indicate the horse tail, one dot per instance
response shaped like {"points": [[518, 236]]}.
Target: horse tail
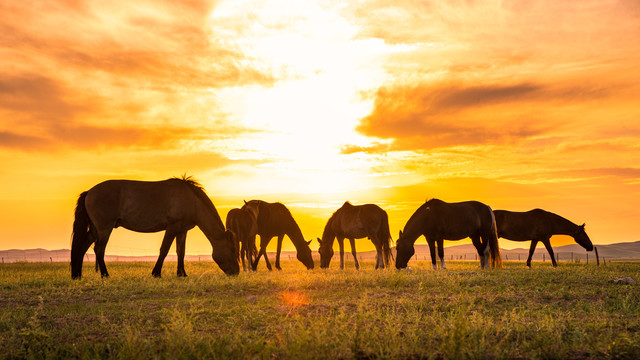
{"points": [[494, 247], [385, 237], [80, 237]]}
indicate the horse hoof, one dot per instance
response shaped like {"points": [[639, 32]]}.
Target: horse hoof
{"points": [[156, 275]]}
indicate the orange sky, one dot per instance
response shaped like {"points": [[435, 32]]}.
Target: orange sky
{"points": [[518, 104]]}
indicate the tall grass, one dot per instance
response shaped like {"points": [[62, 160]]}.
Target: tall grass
{"points": [[574, 311]]}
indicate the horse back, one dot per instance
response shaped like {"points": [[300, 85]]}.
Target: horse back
{"points": [[455, 221], [143, 206], [359, 221], [522, 226], [274, 219], [242, 223]]}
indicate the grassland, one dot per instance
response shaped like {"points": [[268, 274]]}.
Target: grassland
{"points": [[572, 312]]}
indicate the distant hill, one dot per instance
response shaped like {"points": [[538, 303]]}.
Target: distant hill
{"points": [[628, 251]]}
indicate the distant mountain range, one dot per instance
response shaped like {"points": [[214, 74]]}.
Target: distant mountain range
{"points": [[628, 251]]}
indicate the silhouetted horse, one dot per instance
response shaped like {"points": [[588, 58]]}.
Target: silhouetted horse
{"points": [[244, 223], [538, 225], [174, 205], [274, 219], [356, 222], [438, 221]]}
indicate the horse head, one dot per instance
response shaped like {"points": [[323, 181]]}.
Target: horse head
{"points": [[304, 255], [226, 254], [326, 253], [404, 251], [581, 237]]}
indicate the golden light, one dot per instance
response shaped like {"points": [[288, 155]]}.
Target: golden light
{"points": [[294, 298]]}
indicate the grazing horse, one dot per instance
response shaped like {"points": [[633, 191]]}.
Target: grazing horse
{"points": [[538, 225], [438, 221], [356, 222], [274, 219], [244, 224], [174, 205]]}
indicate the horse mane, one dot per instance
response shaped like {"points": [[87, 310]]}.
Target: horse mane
{"points": [[189, 180], [199, 191], [559, 220]]}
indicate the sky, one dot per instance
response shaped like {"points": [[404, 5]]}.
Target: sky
{"points": [[518, 104]]}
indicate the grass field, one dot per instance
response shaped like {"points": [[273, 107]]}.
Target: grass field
{"points": [[572, 312]]}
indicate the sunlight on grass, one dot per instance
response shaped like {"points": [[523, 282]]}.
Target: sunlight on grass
{"points": [[573, 311]]}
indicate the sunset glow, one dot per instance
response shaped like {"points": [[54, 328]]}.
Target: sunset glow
{"points": [[520, 105]]}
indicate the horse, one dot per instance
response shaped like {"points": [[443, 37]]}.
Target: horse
{"points": [[244, 224], [438, 220], [539, 225], [174, 205], [356, 222], [274, 219]]}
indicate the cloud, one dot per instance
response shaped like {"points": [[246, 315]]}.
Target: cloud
{"points": [[82, 74], [25, 142], [41, 96], [626, 174], [372, 149], [428, 116]]}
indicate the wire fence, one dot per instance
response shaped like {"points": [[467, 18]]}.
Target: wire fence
{"points": [[12, 256]]}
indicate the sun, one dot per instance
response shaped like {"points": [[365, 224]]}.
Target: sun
{"points": [[315, 103]]}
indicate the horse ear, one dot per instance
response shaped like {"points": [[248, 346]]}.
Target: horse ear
{"points": [[308, 242], [400, 234], [319, 240], [583, 225], [245, 202]]}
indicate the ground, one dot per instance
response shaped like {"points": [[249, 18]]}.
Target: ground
{"points": [[574, 311]]}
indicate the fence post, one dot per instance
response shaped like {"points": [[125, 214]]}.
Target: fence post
{"points": [[544, 258], [587, 258], [572, 256], [518, 257], [597, 257]]}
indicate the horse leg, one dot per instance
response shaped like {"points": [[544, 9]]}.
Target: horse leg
{"points": [[264, 241], [531, 250], [266, 259], [341, 244], [254, 265], [278, 252], [263, 250], [243, 253], [164, 250], [432, 251], [101, 243], [440, 243], [352, 241], [181, 240], [475, 239], [379, 256], [547, 244]]}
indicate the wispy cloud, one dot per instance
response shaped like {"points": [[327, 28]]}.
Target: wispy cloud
{"points": [[86, 74]]}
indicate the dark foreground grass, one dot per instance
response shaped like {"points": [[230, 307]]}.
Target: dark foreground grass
{"points": [[572, 312]]}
